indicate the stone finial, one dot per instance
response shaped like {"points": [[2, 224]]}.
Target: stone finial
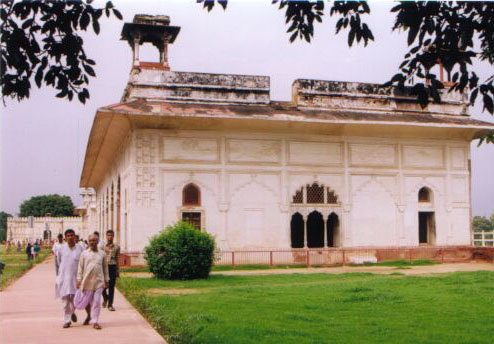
{"points": [[150, 29]]}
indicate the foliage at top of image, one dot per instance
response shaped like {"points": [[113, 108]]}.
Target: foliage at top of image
{"points": [[180, 252], [55, 205], [436, 31], [41, 39]]}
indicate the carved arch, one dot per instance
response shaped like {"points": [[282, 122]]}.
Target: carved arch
{"points": [[253, 181], [384, 187]]}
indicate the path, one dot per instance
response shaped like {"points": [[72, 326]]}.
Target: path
{"points": [[414, 270], [30, 314]]}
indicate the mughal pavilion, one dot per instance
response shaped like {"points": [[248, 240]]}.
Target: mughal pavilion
{"points": [[343, 164]]}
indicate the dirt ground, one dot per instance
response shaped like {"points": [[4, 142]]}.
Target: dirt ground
{"points": [[408, 270]]}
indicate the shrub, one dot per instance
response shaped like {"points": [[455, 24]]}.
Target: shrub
{"points": [[180, 252]]}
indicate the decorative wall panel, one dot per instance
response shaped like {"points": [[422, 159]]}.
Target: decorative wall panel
{"points": [[367, 155], [252, 151], [183, 149], [423, 156], [315, 153]]}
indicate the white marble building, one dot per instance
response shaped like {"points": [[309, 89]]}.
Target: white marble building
{"points": [[341, 165]]}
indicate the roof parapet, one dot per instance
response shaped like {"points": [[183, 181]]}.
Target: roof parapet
{"points": [[153, 84], [366, 96]]}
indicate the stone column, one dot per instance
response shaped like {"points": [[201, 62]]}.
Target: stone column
{"points": [[305, 217], [135, 51], [325, 229]]}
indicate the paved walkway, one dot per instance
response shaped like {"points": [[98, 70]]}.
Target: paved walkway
{"points": [[30, 314], [408, 270]]}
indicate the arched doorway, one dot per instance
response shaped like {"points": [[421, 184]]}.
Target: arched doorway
{"points": [[297, 230], [315, 230], [426, 218], [332, 227], [47, 234]]}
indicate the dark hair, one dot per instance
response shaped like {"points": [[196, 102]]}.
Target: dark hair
{"points": [[96, 233], [110, 231], [69, 231], [60, 236]]}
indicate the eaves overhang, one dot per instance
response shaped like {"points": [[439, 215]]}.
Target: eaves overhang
{"points": [[113, 123]]}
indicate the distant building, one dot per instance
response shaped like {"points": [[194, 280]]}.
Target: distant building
{"points": [[343, 164], [32, 228]]}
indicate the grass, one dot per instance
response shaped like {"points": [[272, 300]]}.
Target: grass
{"points": [[319, 308], [16, 264]]}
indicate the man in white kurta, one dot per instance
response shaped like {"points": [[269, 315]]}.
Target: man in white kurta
{"points": [[68, 261], [92, 278], [55, 248]]}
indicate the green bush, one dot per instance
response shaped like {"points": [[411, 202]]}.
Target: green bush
{"points": [[180, 252]]}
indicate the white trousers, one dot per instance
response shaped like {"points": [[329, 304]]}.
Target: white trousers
{"points": [[68, 307]]}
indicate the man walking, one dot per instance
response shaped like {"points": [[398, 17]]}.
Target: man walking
{"points": [[92, 278], [28, 251], [101, 243], [68, 260], [56, 247], [112, 251]]}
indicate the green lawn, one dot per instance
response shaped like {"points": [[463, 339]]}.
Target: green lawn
{"points": [[319, 308], [16, 264]]}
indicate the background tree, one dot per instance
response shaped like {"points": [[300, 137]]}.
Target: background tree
{"points": [[41, 41], [481, 223], [55, 205], [3, 225]]}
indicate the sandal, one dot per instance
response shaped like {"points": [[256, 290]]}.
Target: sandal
{"points": [[110, 308], [66, 325], [86, 322], [97, 326]]}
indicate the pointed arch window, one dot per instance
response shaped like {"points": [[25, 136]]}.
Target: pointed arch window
{"points": [[191, 195], [424, 194]]}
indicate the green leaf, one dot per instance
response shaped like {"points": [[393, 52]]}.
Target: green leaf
{"points": [[95, 26], [117, 14], [39, 76]]}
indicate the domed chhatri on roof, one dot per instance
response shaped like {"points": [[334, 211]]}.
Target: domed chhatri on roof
{"points": [[340, 165]]}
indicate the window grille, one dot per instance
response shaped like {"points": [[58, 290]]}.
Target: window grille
{"points": [[191, 195], [332, 198], [192, 218], [315, 193], [424, 195], [298, 198]]}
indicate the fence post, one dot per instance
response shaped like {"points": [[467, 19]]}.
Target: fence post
{"points": [[410, 255], [233, 258], [270, 258], [442, 255], [343, 263], [307, 258]]}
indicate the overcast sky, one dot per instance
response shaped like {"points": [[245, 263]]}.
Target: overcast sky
{"points": [[43, 139]]}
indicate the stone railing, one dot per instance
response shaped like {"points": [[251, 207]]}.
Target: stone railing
{"points": [[366, 96], [197, 87]]}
